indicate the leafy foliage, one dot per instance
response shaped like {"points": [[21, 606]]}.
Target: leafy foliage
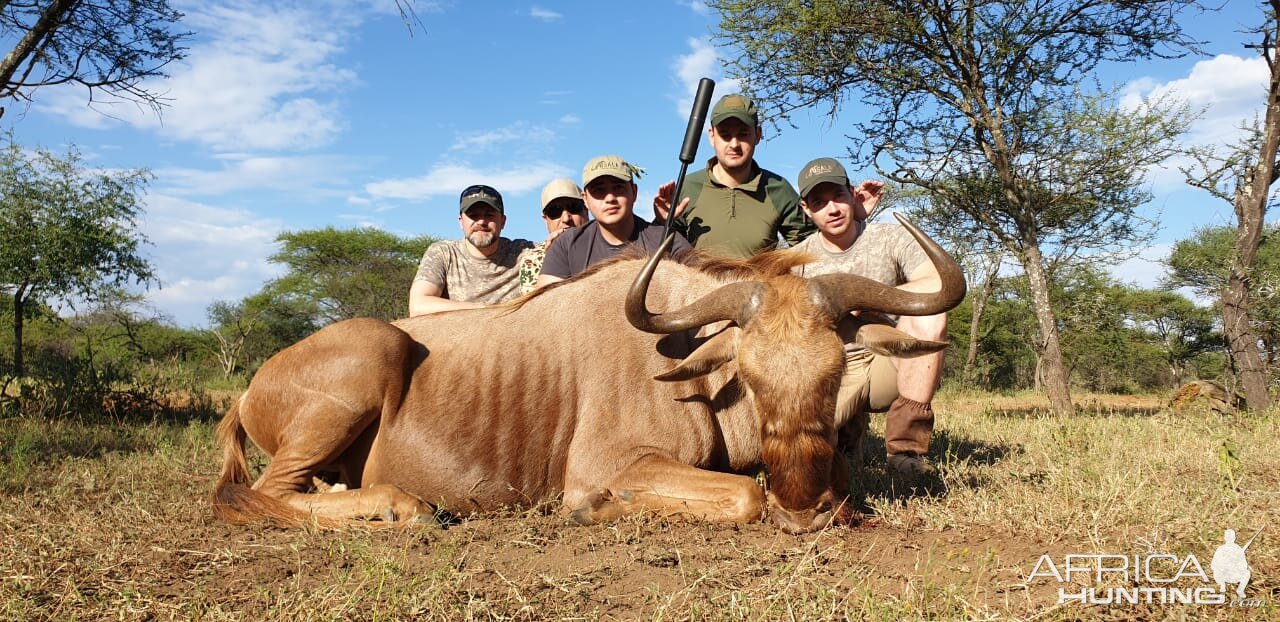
{"points": [[349, 273], [66, 231]]}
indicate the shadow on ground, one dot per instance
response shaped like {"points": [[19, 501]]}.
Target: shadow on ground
{"points": [[947, 451]]}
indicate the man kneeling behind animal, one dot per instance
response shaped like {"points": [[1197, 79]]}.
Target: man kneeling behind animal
{"points": [[427, 410]]}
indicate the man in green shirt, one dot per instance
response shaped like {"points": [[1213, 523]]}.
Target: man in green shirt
{"points": [[736, 209]]}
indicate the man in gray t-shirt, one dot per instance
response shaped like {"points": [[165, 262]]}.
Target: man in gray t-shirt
{"points": [[886, 253], [480, 269]]}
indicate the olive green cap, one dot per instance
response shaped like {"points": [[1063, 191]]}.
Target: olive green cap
{"points": [[822, 170], [738, 107]]}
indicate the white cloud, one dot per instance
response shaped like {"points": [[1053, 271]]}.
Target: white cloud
{"points": [[520, 132], [701, 62], [204, 253], [571, 119], [450, 179], [1226, 91], [545, 15], [261, 77], [298, 175], [697, 6]]}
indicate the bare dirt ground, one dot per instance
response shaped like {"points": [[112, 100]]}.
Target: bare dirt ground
{"points": [[112, 522]]}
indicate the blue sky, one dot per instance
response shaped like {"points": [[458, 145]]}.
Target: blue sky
{"points": [[299, 115]]}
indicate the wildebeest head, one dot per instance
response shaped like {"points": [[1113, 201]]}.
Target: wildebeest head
{"points": [[790, 361]]}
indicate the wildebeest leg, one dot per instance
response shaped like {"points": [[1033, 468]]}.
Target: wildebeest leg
{"points": [[311, 406], [668, 487]]}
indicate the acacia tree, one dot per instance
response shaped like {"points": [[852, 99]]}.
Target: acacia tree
{"points": [[110, 46], [977, 87], [363, 272], [1243, 177], [1205, 262], [65, 231]]}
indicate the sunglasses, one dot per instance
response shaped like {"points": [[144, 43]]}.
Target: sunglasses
{"points": [[554, 211]]}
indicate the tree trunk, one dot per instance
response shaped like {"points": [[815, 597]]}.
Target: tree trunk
{"points": [[49, 21], [18, 302], [979, 305], [1243, 344], [1047, 346]]}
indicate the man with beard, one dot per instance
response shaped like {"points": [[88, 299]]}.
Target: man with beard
{"points": [[609, 190], [887, 253], [479, 269]]}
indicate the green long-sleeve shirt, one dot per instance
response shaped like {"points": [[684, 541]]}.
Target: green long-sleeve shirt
{"points": [[740, 222]]}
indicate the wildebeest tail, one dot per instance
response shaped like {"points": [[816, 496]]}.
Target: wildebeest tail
{"points": [[234, 500]]}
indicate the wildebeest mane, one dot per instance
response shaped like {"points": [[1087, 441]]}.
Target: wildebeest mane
{"points": [[763, 265]]}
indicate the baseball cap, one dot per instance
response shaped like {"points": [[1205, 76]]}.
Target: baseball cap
{"points": [[611, 165], [559, 188], [738, 107], [819, 171], [480, 193]]}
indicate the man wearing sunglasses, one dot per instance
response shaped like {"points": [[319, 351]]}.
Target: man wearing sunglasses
{"points": [[562, 208], [479, 269], [609, 191]]}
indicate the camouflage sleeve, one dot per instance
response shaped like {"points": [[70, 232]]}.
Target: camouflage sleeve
{"points": [[906, 252], [530, 264], [434, 265]]}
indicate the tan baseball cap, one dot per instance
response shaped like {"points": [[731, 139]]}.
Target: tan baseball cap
{"points": [[611, 165], [559, 188], [738, 107], [822, 170]]}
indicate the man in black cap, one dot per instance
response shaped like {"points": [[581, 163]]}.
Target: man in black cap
{"points": [[479, 269]]}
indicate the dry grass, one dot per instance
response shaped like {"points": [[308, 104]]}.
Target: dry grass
{"points": [[111, 522]]}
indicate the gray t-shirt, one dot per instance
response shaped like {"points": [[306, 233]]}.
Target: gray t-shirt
{"points": [[883, 252], [465, 277], [582, 247]]}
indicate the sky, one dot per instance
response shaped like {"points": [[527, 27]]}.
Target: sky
{"points": [[300, 115]]}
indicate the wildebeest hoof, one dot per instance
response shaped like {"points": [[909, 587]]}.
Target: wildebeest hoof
{"points": [[585, 515]]}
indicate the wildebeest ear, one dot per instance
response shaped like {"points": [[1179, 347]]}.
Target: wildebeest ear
{"points": [[889, 341], [707, 358]]}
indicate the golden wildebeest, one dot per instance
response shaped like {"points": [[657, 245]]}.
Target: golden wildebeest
{"points": [[555, 394]]}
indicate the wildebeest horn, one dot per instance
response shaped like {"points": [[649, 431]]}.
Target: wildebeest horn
{"points": [[846, 292], [735, 301]]}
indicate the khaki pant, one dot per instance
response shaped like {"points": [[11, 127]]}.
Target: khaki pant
{"points": [[870, 384]]}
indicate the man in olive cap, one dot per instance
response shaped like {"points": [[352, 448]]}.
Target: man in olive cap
{"points": [[887, 253], [609, 191], [736, 209], [479, 269]]}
